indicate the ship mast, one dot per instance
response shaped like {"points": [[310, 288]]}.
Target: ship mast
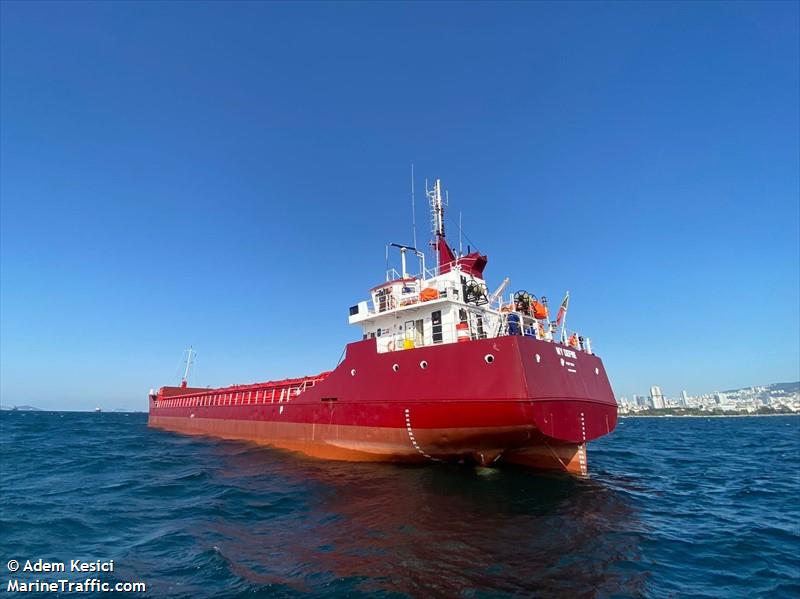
{"points": [[190, 355], [437, 215]]}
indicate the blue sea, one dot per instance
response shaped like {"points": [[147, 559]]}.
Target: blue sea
{"points": [[674, 507]]}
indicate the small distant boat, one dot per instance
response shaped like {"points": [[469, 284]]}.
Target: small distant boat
{"points": [[98, 410]]}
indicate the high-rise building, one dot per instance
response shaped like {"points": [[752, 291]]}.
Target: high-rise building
{"points": [[656, 397], [684, 398]]}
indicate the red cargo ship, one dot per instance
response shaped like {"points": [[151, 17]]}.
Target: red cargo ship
{"points": [[445, 371]]}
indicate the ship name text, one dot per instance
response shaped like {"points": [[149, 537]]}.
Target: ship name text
{"points": [[567, 353]]}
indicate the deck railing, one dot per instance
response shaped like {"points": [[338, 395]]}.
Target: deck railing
{"points": [[278, 393]]}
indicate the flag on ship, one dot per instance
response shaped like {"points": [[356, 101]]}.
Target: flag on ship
{"points": [[562, 311]]}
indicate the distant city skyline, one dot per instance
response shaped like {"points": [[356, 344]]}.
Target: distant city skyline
{"points": [[777, 396], [226, 176], [684, 394]]}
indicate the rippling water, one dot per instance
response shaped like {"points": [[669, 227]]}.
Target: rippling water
{"points": [[673, 507]]}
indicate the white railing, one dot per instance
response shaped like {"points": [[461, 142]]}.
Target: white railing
{"points": [[381, 304], [491, 325], [392, 274]]}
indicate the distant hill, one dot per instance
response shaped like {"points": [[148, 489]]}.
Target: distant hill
{"points": [[20, 408], [785, 388]]}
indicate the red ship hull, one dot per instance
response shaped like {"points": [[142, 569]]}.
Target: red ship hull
{"points": [[509, 399]]}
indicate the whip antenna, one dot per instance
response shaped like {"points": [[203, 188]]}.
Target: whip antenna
{"points": [[413, 211], [460, 247]]}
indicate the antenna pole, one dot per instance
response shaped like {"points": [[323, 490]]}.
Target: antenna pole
{"points": [[460, 248], [413, 210], [437, 206]]}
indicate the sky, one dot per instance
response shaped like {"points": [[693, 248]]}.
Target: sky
{"points": [[226, 175]]}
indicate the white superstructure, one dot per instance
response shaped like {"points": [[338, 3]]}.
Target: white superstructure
{"points": [[448, 303]]}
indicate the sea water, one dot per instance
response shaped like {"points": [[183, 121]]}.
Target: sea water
{"points": [[700, 507]]}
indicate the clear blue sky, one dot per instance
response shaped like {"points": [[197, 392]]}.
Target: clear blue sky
{"points": [[226, 175]]}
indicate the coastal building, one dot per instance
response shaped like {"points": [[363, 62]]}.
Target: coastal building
{"points": [[656, 397]]}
